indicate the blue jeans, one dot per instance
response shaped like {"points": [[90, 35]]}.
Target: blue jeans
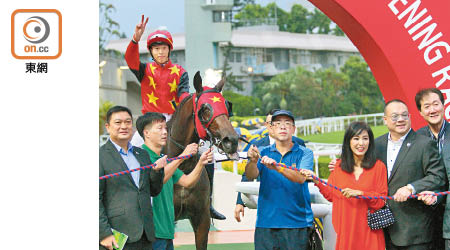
{"points": [[281, 238], [163, 244]]}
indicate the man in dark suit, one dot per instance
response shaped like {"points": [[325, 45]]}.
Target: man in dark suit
{"points": [[430, 103], [413, 165], [125, 203], [265, 141]]}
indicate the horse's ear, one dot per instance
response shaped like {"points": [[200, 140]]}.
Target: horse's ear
{"points": [[198, 82], [219, 85]]}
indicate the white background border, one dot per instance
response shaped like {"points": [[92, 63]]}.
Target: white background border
{"points": [[49, 136]]}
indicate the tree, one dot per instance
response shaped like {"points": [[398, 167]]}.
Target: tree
{"points": [[363, 90], [227, 71], [108, 27], [276, 13], [103, 109], [298, 19], [242, 105], [238, 5], [324, 92], [334, 86], [337, 31], [294, 88], [318, 21], [251, 12]]}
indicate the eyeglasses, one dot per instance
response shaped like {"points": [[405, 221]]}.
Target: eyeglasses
{"points": [[279, 123], [395, 117]]}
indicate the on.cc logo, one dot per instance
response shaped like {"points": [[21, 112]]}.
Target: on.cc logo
{"points": [[36, 34]]}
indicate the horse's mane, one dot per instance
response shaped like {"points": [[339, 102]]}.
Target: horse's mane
{"points": [[177, 110]]}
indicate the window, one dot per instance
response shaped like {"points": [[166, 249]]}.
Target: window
{"points": [[294, 59], [305, 57], [268, 55], [174, 59], [277, 56], [238, 56], [231, 57], [222, 16], [235, 57], [208, 2]]}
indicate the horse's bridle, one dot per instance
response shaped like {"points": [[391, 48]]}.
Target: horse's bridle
{"points": [[205, 123]]}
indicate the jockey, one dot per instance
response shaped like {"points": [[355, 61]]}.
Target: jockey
{"points": [[163, 84]]}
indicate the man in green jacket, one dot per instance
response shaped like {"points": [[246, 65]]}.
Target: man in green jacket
{"points": [[152, 127]]}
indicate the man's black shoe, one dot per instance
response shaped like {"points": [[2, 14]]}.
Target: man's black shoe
{"points": [[216, 215]]}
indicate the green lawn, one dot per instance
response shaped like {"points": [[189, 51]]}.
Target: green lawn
{"points": [[337, 137], [235, 246]]}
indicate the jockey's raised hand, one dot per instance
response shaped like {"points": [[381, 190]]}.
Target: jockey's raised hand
{"points": [[139, 30]]}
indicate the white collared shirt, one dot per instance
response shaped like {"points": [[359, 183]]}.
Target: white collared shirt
{"points": [[393, 148], [271, 140]]}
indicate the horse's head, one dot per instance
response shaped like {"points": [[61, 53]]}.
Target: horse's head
{"points": [[212, 117]]}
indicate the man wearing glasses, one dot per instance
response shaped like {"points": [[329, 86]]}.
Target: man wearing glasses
{"points": [[265, 141], [413, 165], [284, 208]]}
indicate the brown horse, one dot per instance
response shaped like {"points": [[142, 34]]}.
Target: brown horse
{"points": [[193, 203]]}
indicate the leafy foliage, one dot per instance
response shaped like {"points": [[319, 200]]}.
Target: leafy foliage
{"points": [[324, 92], [103, 109], [363, 90], [298, 20], [238, 5], [227, 70], [108, 27], [242, 105]]}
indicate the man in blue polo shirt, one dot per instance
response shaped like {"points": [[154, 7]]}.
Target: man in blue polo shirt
{"points": [[284, 207]]}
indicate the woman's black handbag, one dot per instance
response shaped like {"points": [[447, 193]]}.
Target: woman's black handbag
{"points": [[316, 235], [381, 218]]}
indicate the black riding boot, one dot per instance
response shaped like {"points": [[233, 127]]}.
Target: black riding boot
{"points": [[214, 214]]}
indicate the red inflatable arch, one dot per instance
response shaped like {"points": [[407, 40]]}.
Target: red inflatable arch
{"points": [[405, 42]]}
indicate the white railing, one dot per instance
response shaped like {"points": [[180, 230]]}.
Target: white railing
{"points": [[332, 124], [323, 149]]}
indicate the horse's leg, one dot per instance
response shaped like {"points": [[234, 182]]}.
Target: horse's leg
{"points": [[201, 224], [199, 212]]}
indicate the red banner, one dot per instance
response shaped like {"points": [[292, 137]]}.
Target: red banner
{"points": [[405, 43]]}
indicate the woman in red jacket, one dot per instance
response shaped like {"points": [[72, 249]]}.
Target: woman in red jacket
{"points": [[358, 172]]}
